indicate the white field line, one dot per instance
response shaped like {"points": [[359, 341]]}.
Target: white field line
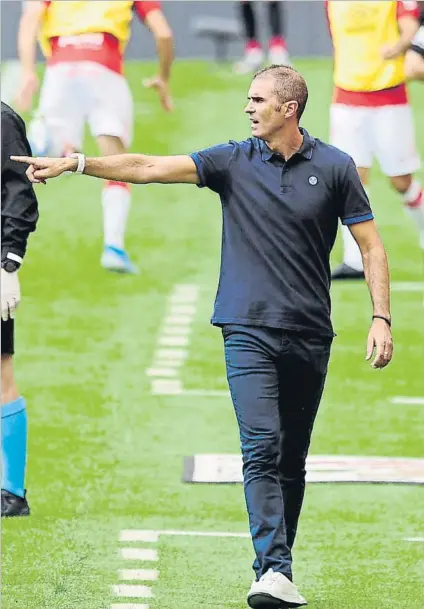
{"points": [[129, 606], [395, 286], [165, 387], [139, 554], [132, 591], [415, 539], [186, 288], [211, 393], [407, 286], [172, 354], [176, 330], [177, 320], [182, 298], [409, 401], [167, 363], [181, 309], [174, 341], [147, 575], [138, 535], [162, 372], [175, 387]]}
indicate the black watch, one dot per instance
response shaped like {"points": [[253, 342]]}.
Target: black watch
{"points": [[10, 266]]}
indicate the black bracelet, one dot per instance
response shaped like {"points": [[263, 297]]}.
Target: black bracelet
{"points": [[386, 319]]}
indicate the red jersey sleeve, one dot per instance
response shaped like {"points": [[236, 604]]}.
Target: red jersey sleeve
{"points": [[408, 8], [47, 3], [143, 8]]}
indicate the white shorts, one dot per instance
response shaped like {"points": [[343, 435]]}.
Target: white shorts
{"points": [[76, 93], [384, 132]]}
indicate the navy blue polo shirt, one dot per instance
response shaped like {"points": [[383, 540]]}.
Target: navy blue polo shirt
{"points": [[279, 225]]}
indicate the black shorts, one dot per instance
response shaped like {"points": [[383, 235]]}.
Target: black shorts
{"points": [[7, 337]]}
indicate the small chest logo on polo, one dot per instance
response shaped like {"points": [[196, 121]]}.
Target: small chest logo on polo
{"points": [[313, 180]]}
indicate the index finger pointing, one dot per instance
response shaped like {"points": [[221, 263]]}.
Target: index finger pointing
{"points": [[29, 160]]}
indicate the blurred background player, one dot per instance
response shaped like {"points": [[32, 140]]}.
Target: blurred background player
{"points": [[84, 43], [19, 215], [414, 60], [254, 55], [370, 114]]}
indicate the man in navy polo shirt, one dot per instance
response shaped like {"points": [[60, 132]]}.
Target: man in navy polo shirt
{"points": [[282, 193]]}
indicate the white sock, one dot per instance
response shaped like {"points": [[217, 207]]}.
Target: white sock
{"points": [[414, 205], [116, 202]]}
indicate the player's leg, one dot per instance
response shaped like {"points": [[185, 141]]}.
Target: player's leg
{"points": [[303, 368], [349, 132], [277, 47], [58, 125], [110, 117], [398, 156], [253, 56], [414, 59], [250, 355], [13, 432]]}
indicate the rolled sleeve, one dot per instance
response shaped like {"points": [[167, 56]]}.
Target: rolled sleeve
{"points": [[354, 203], [213, 166]]}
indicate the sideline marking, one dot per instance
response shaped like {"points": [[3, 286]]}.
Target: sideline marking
{"points": [[414, 539], [147, 575], [139, 554], [411, 401], [129, 606], [132, 591], [140, 534]]}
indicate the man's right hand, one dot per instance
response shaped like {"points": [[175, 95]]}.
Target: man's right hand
{"points": [[162, 88], [43, 168], [27, 90]]}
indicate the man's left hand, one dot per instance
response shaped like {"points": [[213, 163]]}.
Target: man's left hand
{"points": [[10, 294], [380, 341]]}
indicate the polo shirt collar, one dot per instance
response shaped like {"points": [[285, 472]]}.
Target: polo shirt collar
{"points": [[305, 150]]}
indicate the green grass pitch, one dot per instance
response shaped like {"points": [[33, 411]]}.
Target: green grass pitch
{"points": [[106, 455]]}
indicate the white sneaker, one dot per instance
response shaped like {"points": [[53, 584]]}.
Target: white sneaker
{"points": [[278, 55], [251, 62], [115, 259], [274, 590]]}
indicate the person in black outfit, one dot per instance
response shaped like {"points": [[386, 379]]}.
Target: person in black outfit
{"points": [[254, 54], [19, 217], [282, 193]]}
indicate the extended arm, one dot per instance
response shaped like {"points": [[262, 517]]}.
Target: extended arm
{"points": [[134, 168]]}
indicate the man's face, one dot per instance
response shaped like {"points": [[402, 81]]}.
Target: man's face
{"points": [[265, 112]]}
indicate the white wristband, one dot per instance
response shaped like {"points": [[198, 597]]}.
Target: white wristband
{"points": [[81, 161], [14, 257]]}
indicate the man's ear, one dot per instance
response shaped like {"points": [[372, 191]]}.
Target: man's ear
{"points": [[291, 109]]}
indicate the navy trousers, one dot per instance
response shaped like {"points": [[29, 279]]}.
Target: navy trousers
{"points": [[276, 379]]}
